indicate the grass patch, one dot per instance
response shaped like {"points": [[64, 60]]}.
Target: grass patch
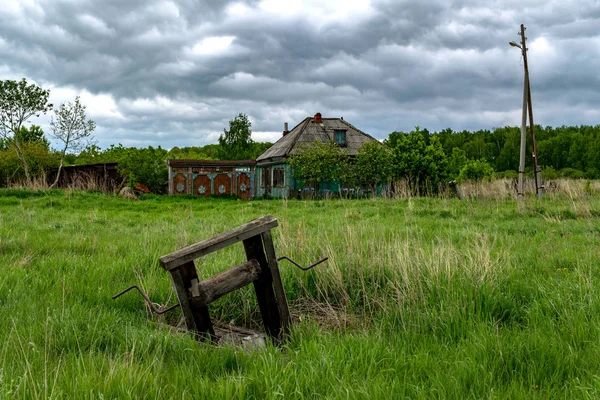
{"points": [[421, 298]]}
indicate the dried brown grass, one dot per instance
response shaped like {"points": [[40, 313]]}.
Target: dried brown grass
{"points": [[506, 189]]}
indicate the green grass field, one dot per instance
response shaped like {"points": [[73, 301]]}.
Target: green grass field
{"points": [[421, 298]]}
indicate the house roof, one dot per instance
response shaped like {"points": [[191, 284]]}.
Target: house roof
{"points": [[309, 131], [209, 163]]}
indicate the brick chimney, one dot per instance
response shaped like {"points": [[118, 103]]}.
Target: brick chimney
{"points": [[318, 118], [285, 129]]}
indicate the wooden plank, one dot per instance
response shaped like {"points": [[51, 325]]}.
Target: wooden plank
{"points": [[170, 179], [219, 285], [263, 286], [188, 253], [284, 312], [197, 319]]}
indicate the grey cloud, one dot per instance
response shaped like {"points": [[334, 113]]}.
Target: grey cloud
{"points": [[435, 64]]}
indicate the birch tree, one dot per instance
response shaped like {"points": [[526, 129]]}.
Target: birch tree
{"points": [[70, 127]]}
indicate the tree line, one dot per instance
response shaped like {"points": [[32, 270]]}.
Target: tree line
{"points": [[424, 159]]}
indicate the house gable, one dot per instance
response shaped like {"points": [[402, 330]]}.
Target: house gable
{"points": [[310, 130]]}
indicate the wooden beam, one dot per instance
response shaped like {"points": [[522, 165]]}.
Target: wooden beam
{"points": [[189, 253], [219, 285], [263, 286], [284, 312], [197, 319]]}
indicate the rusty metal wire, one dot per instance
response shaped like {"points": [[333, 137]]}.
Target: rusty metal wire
{"points": [[150, 303], [300, 266]]}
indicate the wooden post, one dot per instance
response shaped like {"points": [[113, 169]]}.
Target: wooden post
{"points": [[197, 319], [456, 188], [284, 312], [521, 180], [539, 188], [171, 189], [263, 286]]}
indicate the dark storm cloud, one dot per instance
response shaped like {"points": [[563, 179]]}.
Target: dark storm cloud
{"points": [[174, 72]]}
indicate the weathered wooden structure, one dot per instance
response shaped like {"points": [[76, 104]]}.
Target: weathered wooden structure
{"points": [[102, 176], [212, 177], [261, 270], [270, 175]]}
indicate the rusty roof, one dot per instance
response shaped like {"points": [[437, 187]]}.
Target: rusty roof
{"points": [[309, 131], [210, 163]]}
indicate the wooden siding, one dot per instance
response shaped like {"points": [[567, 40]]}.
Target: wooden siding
{"points": [[202, 186], [278, 192], [212, 178]]}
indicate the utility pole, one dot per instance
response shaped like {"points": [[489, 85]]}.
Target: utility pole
{"points": [[523, 142], [536, 168], [539, 188]]}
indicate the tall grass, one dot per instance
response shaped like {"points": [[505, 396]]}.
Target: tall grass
{"points": [[420, 298]]}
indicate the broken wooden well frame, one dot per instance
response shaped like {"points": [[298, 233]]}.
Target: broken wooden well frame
{"points": [[261, 269]]}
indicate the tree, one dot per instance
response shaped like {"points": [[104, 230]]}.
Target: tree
{"points": [[476, 170], [236, 143], [146, 165], [424, 166], [18, 103], [457, 160], [33, 134], [319, 162], [373, 165], [70, 127]]}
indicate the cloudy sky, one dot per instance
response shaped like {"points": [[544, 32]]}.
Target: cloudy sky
{"points": [[174, 72]]}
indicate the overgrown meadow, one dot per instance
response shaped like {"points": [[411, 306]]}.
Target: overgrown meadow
{"points": [[421, 298]]}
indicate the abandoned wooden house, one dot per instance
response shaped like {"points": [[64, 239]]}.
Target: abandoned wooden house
{"points": [[271, 173]]}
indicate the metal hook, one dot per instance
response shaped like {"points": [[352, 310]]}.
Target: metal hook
{"points": [[300, 266], [155, 310]]}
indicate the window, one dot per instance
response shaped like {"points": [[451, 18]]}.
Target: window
{"points": [[340, 138], [265, 177], [278, 177]]}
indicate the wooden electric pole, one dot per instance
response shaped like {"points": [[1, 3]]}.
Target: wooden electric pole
{"points": [[536, 169], [523, 142], [539, 188]]}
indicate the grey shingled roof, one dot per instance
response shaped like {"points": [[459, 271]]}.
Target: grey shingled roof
{"points": [[308, 131]]}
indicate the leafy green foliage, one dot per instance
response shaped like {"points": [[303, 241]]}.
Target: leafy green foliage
{"points": [[145, 166], [372, 165], [424, 166], [476, 170], [236, 143], [319, 162], [208, 152], [19, 102], [137, 165], [565, 148], [39, 159], [33, 134], [457, 161]]}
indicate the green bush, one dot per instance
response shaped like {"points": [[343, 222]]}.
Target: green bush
{"points": [[550, 173], [145, 166], [476, 170], [39, 158], [510, 174], [572, 173]]}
